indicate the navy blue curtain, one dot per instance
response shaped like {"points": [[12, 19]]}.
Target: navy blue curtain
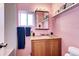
{"points": [[21, 37], [21, 32]]}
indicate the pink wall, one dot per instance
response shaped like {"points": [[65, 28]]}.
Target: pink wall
{"points": [[66, 25], [32, 7]]}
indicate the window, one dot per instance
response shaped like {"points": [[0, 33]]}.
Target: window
{"points": [[26, 18], [30, 19]]}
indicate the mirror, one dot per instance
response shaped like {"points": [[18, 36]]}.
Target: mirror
{"points": [[41, 19]]}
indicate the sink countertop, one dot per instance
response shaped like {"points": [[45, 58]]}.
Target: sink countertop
{"points": [[43, 37]]}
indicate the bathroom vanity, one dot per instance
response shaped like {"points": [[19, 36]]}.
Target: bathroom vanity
{"points": [[46, 46]]}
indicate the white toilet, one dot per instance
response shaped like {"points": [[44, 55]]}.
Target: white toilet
{"points": [[72, 51]]}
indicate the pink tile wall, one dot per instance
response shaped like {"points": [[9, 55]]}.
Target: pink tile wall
{"points": [[66, 25]]}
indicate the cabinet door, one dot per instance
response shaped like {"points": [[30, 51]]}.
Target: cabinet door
{"points": [[38, 48], [48, 47], [54, 47]]}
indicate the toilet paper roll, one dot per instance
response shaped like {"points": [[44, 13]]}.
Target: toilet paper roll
{"points": [[73, 51]]}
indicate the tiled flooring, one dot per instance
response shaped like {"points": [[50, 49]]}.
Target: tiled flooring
{"points": [[27, 50]]}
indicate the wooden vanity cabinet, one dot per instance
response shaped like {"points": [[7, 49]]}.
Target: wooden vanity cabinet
{"points": [[46, 47]]}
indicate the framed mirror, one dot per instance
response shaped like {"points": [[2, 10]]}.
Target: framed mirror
{"points": [[41, 18]]}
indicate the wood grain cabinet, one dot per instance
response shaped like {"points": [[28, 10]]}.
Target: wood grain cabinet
{"points": [[46, 47]]}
